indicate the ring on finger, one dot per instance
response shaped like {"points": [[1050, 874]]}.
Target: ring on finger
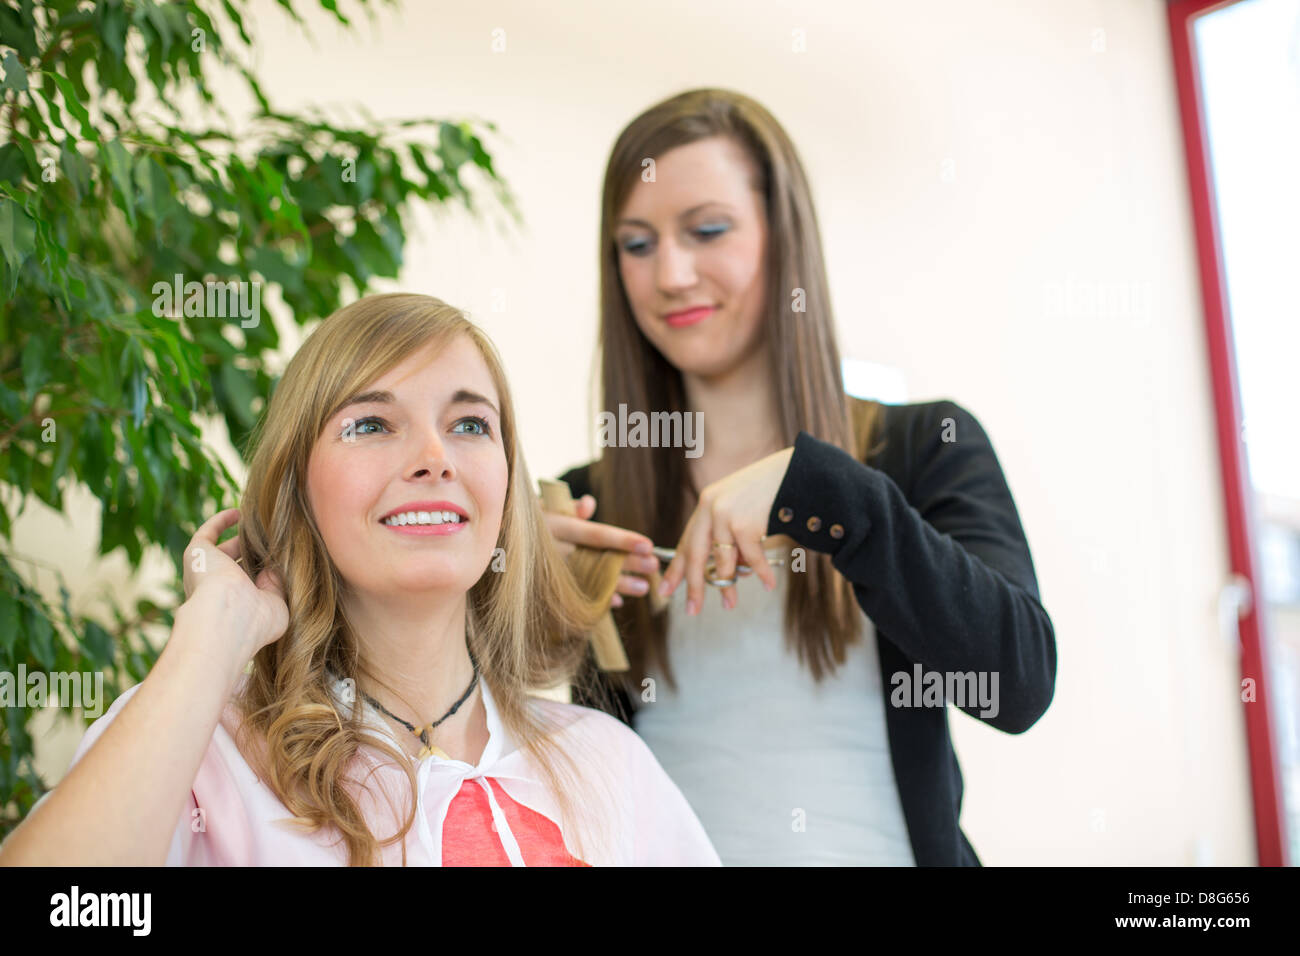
{"points": [[718, 582], [710, 571]]}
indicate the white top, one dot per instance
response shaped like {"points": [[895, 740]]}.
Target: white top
{"points": [[780, 770], [495, 812]]}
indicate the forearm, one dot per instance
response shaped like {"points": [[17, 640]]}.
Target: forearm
{"points": [[959, 595], [119, 805]]}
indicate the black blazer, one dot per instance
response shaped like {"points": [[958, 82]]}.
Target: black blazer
{"points": [[929, 537]]}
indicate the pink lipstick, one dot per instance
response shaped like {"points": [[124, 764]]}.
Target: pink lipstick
{"points": [[689, 316]]}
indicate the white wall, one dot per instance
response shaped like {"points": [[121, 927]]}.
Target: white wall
{"points": [[980, 170]]}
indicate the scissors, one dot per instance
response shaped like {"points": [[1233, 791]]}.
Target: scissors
{"points": [[666, 555]]}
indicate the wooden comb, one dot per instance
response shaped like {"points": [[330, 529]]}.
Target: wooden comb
{"points": [[557, 498]]}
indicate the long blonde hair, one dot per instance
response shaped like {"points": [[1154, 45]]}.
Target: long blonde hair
{"points": [[526, 624], [641, 488]]}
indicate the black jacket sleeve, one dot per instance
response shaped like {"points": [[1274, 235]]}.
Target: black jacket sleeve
{"points": [[943, 570]]}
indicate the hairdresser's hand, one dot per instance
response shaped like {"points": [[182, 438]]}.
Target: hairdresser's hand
{"points": [[581, 530], [217, 586], [731, 511]]}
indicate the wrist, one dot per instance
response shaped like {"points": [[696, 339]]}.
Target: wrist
{"points": [[215, 631]]}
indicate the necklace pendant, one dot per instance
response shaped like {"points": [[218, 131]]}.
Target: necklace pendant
{"points": [[432, 750]]}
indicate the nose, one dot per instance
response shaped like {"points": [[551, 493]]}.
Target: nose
{"points": [[674, 268], [431, 459]]}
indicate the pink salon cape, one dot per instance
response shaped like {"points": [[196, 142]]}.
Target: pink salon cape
{"points": [[496, 813]]}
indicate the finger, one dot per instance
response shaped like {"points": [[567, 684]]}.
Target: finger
{"points": [[630, 584], [557, 525], [672, 575], [723, 549], [270, 583], [615, 600], [676, 570], [640, 564], [212, 529], [270, 580], [697, 548], [585, 507], [752, 553], [230, 548], [593, 534]]}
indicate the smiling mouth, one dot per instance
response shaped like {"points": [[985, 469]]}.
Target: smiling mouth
{"points": [[423, 518], [689, 316]]}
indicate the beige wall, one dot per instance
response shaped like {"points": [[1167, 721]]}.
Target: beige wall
{"points": [[979, 169]]}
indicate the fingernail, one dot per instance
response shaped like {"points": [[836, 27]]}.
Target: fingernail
{"points": [[640, 585], [690, 607], [663, 588], [644, 547]]}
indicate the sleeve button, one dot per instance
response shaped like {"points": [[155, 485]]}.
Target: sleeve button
{"points": [[837, 531], [814, 523], [785, 514]]}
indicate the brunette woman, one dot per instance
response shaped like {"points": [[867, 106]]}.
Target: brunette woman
{"points": [[796, 707]]}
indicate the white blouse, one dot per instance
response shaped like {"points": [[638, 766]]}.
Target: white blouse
{"points": [[495, 812], [781, 771]]}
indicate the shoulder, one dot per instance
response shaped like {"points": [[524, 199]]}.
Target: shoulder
{"points": [[603, 739], [912, 436], [590, 724], [910, 420], [657, 825], [942, 429]]}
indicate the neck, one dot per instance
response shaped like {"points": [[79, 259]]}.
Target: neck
{"points": [[417, 647], [741, 417]]}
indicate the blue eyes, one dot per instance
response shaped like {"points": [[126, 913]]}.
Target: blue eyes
{"points": [[362, 425], [480, 421], [704, 234]]}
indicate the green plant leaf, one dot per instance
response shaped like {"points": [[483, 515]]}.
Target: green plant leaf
{"points": [[15, 77], [98, 645], [118, 161], [73, 104], [17, 234], [40, 636]]}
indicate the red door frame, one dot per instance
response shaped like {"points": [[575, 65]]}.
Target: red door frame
{"points": [[1261, 739]]}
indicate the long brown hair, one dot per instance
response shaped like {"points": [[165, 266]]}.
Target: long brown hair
{"points": [[526, 623], [640, 488]]}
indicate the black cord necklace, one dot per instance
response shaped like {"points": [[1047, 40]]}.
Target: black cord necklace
{"points": [[422, 733]]}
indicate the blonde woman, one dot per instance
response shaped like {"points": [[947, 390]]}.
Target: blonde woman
{"points": [[397, 595], [796, 707]]}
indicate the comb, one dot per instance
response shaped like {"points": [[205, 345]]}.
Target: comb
{"points": [[557, 498]]}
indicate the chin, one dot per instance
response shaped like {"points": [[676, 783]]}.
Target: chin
{"points": [[692, 365], [415, 577]]}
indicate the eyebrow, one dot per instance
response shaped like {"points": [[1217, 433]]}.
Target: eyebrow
{"points": [[689, 212], [461, 396]]}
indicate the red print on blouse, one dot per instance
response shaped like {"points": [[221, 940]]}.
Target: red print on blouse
{"points": [[469, 840]]}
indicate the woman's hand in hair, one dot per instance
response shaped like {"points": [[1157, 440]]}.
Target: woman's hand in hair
{"points": [[570, 532], [215, 582], [732, 511]]}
